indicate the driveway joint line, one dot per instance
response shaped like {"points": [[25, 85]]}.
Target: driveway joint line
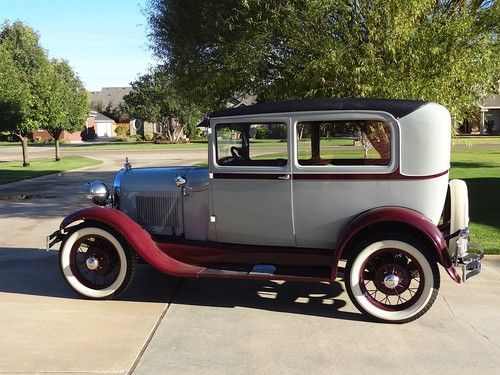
{"points": [[155, 328]]}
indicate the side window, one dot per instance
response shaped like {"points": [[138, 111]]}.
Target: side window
{"points": [[252, 144], [364, 142]]}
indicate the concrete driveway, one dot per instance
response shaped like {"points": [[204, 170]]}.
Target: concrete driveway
{"points": [[168, 326]]}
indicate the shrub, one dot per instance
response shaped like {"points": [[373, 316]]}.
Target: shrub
{"points": [[148, 137], [136, 138], [40, 140], [262, 133], [160, 139], [122, 131]]}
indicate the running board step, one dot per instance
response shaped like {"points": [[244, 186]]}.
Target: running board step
{"points": [[263, 269], [267, 271]]}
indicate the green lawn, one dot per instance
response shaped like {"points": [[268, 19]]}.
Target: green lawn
{"points": [[480, 168], [12, 171], [476, 140]]}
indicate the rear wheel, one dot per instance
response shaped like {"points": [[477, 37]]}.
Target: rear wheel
{"points": [[392, 279], [95, 263]]}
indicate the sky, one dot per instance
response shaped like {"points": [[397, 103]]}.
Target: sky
{"points": [[105, 41]]}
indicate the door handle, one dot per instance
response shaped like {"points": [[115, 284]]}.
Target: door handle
{"points": [[285, 177]]}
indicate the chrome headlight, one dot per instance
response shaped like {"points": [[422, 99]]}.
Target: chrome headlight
{"points": [[98, 192]]}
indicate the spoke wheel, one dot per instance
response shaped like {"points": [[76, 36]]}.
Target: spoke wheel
{"points": [[392, 279], [94, 262]]}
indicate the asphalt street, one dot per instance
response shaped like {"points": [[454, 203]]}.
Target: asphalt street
{"points": [[164, 325]]}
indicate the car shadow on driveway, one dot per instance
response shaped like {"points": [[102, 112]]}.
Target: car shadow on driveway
{"points": [[36, 272], [315, 299]]}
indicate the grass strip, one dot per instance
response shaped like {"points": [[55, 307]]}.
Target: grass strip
{"points": [[12, 171], [480, 169]]}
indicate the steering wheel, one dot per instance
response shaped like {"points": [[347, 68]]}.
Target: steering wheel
{"points": [[236, 152]]}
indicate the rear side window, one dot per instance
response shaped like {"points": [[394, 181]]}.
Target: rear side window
{"points": [[252, 144], [365, 142]]}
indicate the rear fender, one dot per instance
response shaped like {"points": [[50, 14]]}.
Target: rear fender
{"points": [[387, 217], [137, 237]]}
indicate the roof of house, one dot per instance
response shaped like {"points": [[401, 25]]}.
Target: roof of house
{"points": [[397, 108], [99, 117], [490, 101], [110, 95]]}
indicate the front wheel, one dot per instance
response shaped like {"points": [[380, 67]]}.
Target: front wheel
{"points": [[392, 279], [95, 263]]}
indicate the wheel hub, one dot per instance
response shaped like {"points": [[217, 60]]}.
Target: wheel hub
{"points": [[392, 278], [92, 263], [391, 281]]}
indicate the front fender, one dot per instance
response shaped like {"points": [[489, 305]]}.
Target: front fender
{"points": [[136, 236], [395, 215]]}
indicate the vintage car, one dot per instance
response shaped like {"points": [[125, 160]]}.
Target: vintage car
{"points": [[306, 190]]}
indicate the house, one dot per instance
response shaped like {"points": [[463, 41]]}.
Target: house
{"points": [[99, 126], [112, 96], [490, 114], [42, 135]]}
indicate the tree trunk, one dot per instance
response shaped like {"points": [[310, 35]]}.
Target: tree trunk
{"points": [[56, 135], [24, 144], [58, 156]]}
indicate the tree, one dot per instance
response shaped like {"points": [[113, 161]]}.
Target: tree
{"points": [[64, 102], [445, 50], [11, 93], [27, 65], [153, 98], [36, 92]]}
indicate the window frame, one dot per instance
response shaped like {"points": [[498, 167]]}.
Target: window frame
{"points": [[214, 167], [347, 116]]}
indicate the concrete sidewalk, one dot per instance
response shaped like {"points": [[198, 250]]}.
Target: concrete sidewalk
{"points": [[163, 325]]}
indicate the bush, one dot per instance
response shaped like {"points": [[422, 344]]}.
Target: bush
{"points": [[160, 139], [122, 131], [40, 140], [148, 137], [136, 138], [262, 133], [131, 138]]}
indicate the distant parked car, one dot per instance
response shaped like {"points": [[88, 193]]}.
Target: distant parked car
{"points": [[291, 190]]}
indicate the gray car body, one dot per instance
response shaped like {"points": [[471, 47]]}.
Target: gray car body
{"points": [[293, 212]]}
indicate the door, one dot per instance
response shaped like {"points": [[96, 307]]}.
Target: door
{"points": [[251, 186]]}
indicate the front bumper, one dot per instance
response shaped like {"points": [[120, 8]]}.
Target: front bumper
{"points": [[468, 256]]}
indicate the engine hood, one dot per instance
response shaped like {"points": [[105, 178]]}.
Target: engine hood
{"points": [[162, 179]]}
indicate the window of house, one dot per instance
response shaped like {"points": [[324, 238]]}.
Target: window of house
{"points": [[364, 142], [251, 144]]}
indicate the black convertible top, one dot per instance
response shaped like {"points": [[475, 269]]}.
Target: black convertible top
{"points": [[396, 107]]}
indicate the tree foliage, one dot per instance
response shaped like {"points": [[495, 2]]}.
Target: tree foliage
{"points": [[117, 112], [12, 91], [28, 63], [445, 50], [64, 101], [35, 91], [154, 99]]}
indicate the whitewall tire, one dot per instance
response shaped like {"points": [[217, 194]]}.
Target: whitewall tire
{"points": [[392, 278], [95, 263]]}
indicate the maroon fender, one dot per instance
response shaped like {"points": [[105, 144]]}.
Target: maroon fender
{"points": [[397, 215], [138, 238]]}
